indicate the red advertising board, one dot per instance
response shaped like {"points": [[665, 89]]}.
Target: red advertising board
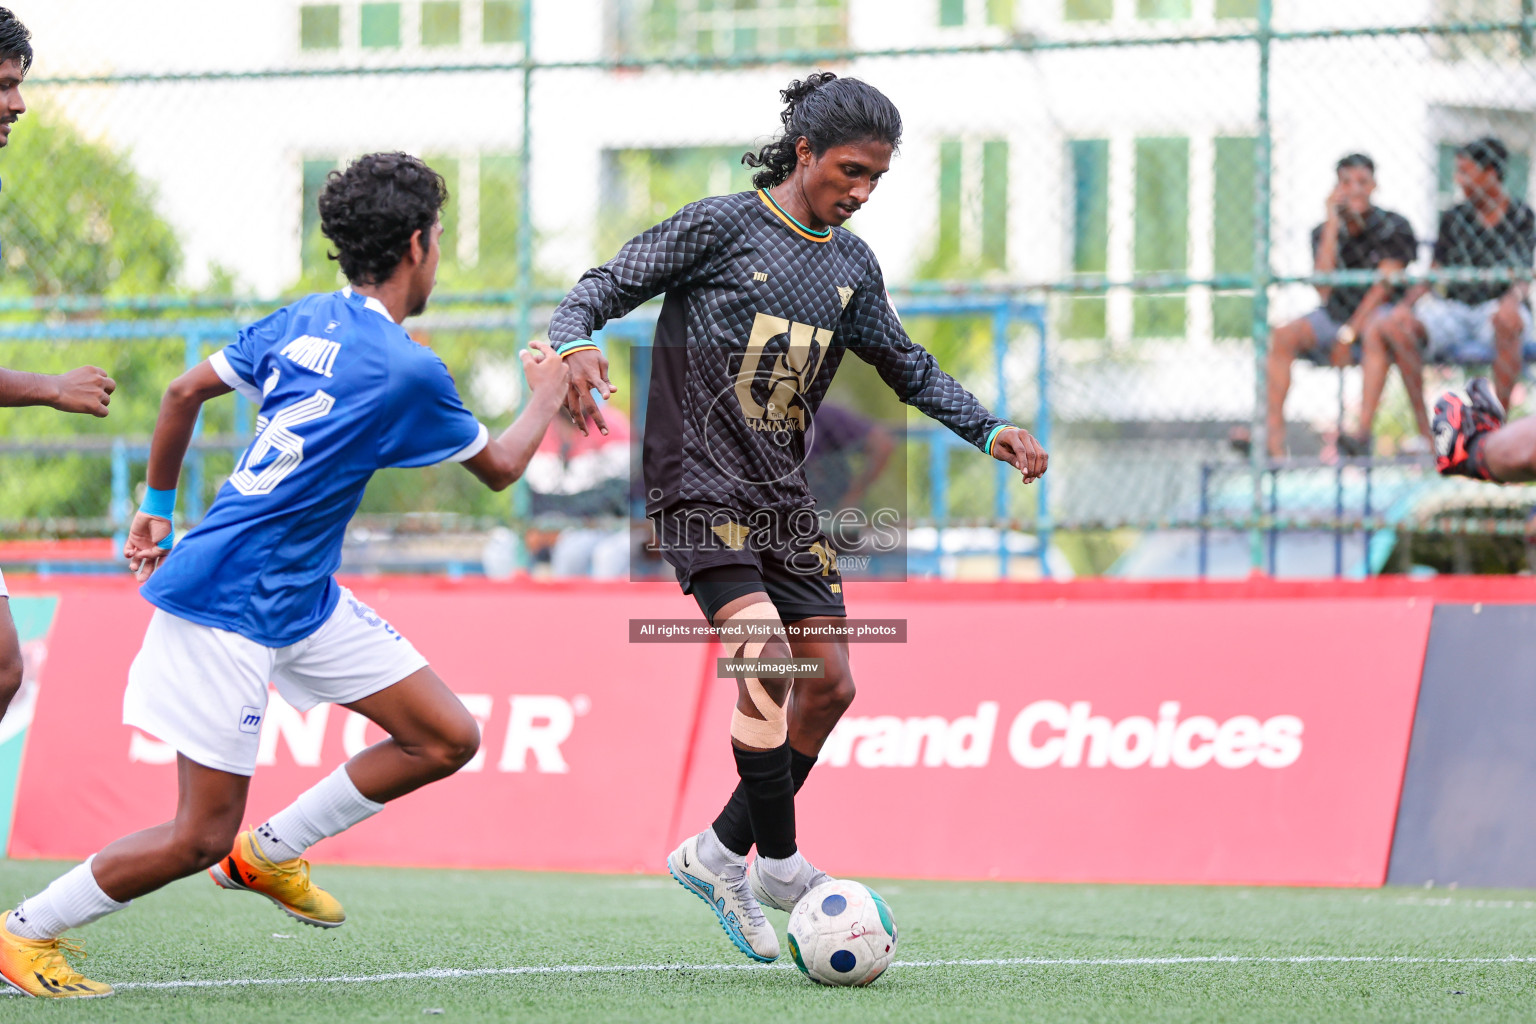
{"points": [[1132, 741], [584, 737], [1168, 739]]}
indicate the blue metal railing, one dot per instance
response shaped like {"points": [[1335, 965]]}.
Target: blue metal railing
{"points": [[199, 337]]}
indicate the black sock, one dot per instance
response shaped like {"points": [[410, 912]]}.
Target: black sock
{"points": [[733, 826], [770, 794], [800, 766]]}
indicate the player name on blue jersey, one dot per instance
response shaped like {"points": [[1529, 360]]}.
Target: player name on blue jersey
{"points": [[343, 391]]}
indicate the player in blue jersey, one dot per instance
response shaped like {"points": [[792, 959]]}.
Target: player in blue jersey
{"points": [[248, 597], [87, 389]]}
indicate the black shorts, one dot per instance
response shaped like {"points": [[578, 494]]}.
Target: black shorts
{"points": [[721, 554]]}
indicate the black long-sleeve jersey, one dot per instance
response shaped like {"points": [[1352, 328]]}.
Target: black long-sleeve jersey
{"points": [[758, 312]]}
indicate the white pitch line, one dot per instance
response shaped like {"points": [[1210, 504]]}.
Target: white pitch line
{"points": [[492, 972]]}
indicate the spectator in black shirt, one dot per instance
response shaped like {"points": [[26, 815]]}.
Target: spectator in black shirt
{"points": [[1355, 236], [1491, 229]]}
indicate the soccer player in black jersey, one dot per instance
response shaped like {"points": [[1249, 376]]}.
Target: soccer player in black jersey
{"points": [[764, 296]]}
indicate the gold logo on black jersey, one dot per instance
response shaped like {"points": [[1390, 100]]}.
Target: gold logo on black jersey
{"points": [[788, 374], [733, 535], [828, 557], [845, 294]]}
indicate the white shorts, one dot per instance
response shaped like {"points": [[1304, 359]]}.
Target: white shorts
{"points": [[204, 690], [1458, 332]]}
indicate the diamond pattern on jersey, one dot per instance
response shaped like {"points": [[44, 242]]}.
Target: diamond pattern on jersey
{"points": [[732, 273]]}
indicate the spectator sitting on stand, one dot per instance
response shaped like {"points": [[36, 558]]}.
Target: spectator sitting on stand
{"points": [[1491, 229], [1355, 236]]}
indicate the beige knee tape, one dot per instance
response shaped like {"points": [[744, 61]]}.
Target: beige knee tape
{"points": [[773, 729], [754, 732], [735, 629]]}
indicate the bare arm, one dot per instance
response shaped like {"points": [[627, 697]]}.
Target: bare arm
{"points": [[173, 433], [87, 389], [503, 459]]}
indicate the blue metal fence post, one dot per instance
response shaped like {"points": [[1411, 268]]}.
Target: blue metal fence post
{"points": [[1203, 551], [1001, 320], [519, 498], [938, 480], [1338, 520], [1367, 531], [1274, 516], [193, 504], [122, 497], [1034, 314], [1261, 277]]}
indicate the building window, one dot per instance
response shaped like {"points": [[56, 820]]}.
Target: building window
{"points": [[1237, 8], [994, 204], [502, 21], [1232, 230], [381, 26], [1149, 229], [440, 23], [320, 27], [951, 170], [972, 231], [1089, 168], [1087, 10], [716, 28], [1161, 244], [955, 13], [497, 211], [1162, 10]]}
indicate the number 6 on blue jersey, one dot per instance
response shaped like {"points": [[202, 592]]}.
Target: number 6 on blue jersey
{"points": [[278, 435]]}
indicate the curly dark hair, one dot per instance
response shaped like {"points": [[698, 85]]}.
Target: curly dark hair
{"points": [[826, 111], [371, 209], [15, 40]]}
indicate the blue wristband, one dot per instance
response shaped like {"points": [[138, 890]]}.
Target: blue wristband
{"points": [[158, 503], [162, 505]]}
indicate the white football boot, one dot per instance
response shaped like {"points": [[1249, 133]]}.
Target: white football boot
{"points": [[724, 887], [780, 894]]}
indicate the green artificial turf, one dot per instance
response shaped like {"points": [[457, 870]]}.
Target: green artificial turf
{"points": [[409, 921]]}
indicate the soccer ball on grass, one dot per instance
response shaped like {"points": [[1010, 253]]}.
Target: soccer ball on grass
{"points": [[842, 933]]}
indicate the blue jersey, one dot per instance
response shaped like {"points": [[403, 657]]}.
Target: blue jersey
{"points": [[343, 391]]}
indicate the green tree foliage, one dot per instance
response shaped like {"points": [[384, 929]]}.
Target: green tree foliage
{"points": [[75, 218]]}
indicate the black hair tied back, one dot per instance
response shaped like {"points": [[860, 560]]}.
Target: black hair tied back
{"points": [[826, 111]]}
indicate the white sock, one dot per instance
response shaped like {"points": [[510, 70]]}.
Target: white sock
{"points": [[73, 899], [784, 869], [716, 855], [330, 806]]}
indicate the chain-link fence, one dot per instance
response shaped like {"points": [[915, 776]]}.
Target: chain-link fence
{"points": [[1160, 181]]}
